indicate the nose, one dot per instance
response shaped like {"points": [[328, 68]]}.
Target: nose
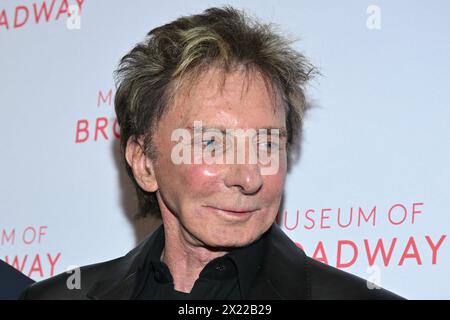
{"points": [[246, 177]]}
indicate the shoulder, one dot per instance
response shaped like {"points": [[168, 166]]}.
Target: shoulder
{"points": [[306, 278], [90, 281], [326, 282], [12, 282], [71, 285]]}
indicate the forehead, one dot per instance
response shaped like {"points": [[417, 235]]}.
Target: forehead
{"points": [[242, 98]]}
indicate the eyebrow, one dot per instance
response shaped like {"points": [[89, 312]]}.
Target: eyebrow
{"points": [[282, 130]]}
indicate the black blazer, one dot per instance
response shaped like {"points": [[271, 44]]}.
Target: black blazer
{"points": [[12, 282], [287, 273]]}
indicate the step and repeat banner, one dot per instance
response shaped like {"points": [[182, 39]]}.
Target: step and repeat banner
{"points": [[369, 195]]}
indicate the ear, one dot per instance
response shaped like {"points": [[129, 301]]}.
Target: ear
{"points": [[141, 165]]}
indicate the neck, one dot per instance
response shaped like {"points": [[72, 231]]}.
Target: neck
{"points": [[185, 255]]}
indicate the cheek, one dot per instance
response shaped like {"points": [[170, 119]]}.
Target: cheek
{"points": [[201, 180], [274, 185]]}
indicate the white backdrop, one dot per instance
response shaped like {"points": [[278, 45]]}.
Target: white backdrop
{"points": [[374, 170]]}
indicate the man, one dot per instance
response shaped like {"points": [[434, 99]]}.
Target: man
{"points": [[186, 97], [12, 282]]}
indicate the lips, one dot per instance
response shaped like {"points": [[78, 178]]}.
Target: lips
{"points": [[235, 211], [238, 210]]}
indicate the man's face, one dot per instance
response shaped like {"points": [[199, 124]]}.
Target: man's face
{"points": [[220, 205]]}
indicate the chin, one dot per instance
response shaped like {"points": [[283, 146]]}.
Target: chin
{"points": [[231, 238], [237, 243]]}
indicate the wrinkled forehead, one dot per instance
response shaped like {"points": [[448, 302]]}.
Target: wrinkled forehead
{"points": [[218, 88]]}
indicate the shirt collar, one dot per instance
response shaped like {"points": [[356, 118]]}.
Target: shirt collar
{"points": [[248, 261], [245, 261]]}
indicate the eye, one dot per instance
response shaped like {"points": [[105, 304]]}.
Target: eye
{"points": [[269, 144], [208, 143]]}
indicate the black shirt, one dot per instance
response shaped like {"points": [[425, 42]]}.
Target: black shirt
{"points": [[226, 277]]}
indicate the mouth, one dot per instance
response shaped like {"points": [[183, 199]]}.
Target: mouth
{"points": [[235, 212]]}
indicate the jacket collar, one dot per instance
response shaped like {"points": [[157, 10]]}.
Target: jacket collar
{"points": [[284, 271], [122, 281], [281, 276]]}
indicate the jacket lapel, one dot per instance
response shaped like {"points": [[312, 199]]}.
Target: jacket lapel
{"points": [[283, 274], [122, 282]]}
